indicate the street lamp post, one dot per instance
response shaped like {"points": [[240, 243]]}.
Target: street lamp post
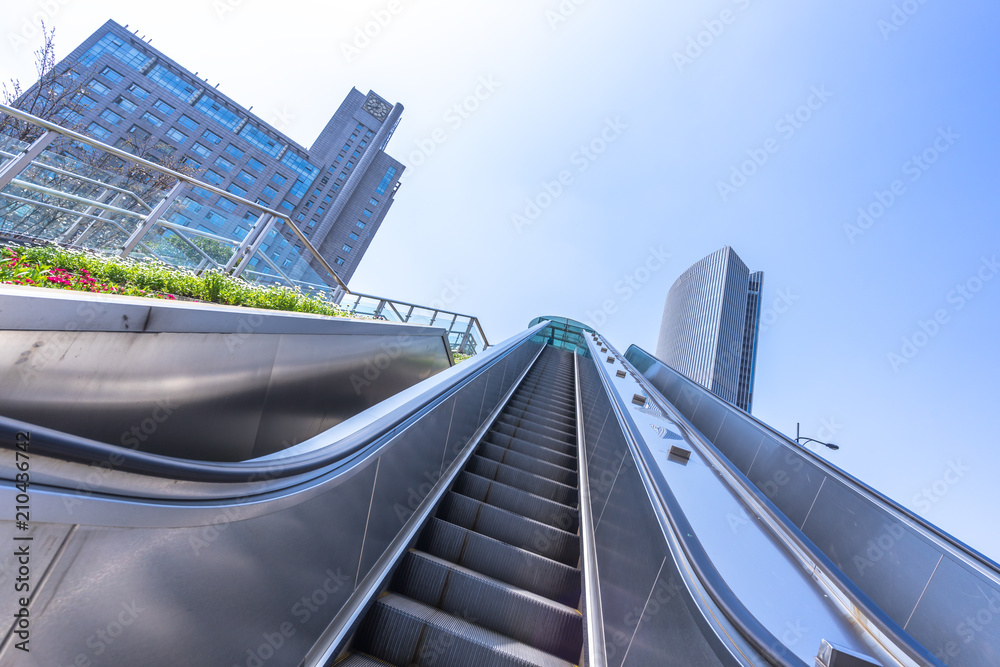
{"points": [[804, 439]]}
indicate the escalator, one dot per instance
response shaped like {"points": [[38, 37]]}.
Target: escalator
{"points": [[494, 578]]}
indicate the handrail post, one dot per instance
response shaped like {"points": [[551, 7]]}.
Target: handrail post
{"points": [[151, 219], [258, 241], [240, 252], [10, 170]]}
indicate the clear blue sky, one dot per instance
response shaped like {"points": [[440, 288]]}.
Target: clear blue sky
{"points": [[885, 105]]}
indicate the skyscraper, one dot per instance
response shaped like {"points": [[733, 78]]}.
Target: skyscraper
{"points": [[337, 191], [710, 324]]}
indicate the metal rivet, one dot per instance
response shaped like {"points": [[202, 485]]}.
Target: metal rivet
{"points": [[620, 374], [639, 399], [611, 360]]}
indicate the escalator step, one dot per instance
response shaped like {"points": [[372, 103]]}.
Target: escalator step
{"points": [[527, 463], [516, 500], [361, 660], [406, 632], [510, 528], [538, 424], [532, 450], [491, 603], [493, 558], [520, 479], [560, 447], [544, 416], [538, 437]]}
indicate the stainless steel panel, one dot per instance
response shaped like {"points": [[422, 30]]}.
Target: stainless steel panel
{"points": [[143, 391], [708, 418], [688, 399], [204, 595], [493, 393], [888, 562], [605, 465], [408, 469], [465, 420], [630, 551], [959, 618], [786, 478], [672, 633], [316, 382], [151, 392], [739, 441]]}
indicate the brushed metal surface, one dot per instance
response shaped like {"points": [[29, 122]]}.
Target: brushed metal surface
{"points": [[250, 578], [237, 384], [914, 572]]}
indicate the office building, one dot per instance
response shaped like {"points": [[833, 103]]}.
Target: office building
{"points": [[337, 191], [710, 324]]}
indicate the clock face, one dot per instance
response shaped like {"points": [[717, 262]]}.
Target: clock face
{"points": [[377, 107]]}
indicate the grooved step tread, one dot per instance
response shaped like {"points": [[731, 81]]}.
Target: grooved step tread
{"points": [[432, 637]]}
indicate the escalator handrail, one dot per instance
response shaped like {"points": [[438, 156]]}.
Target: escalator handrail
{"points": [[667, 507], [67, 447], [839, 473], [858, 597]]}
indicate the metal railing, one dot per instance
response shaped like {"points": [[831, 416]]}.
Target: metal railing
{"points": [[60, 197]]}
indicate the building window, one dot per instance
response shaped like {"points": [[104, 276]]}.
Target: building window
{"points": [[98, 87], [353, 236], [151, 119], [111, 75], [87, 102], [326, 199], [347, 248], [201, 192], [255, 164], [215, 218], [98, 131], [356, 154], [347, 147], [212, 137], [213, 177], [139, 133], [363, 144], [373, 201], [217, 112], [278, 178], [163, 107], [269, 191], [141, 93], [353, 137], [246, 178], [320, 211], [286, 263], [360, 224], [359, 127], [287, 205], [111, 117], [349, 165], [201, 150], [125, 103], [366, 213], [236, 190], [261, 140], [173, 83], [300, 217], [339, 261], [227, 205], [191, 204], [189, 123], [177, 136], [390, 172], [224, 164], [342, 175], [234, 151], [191, 162], [114, 46], [368, 134]]}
